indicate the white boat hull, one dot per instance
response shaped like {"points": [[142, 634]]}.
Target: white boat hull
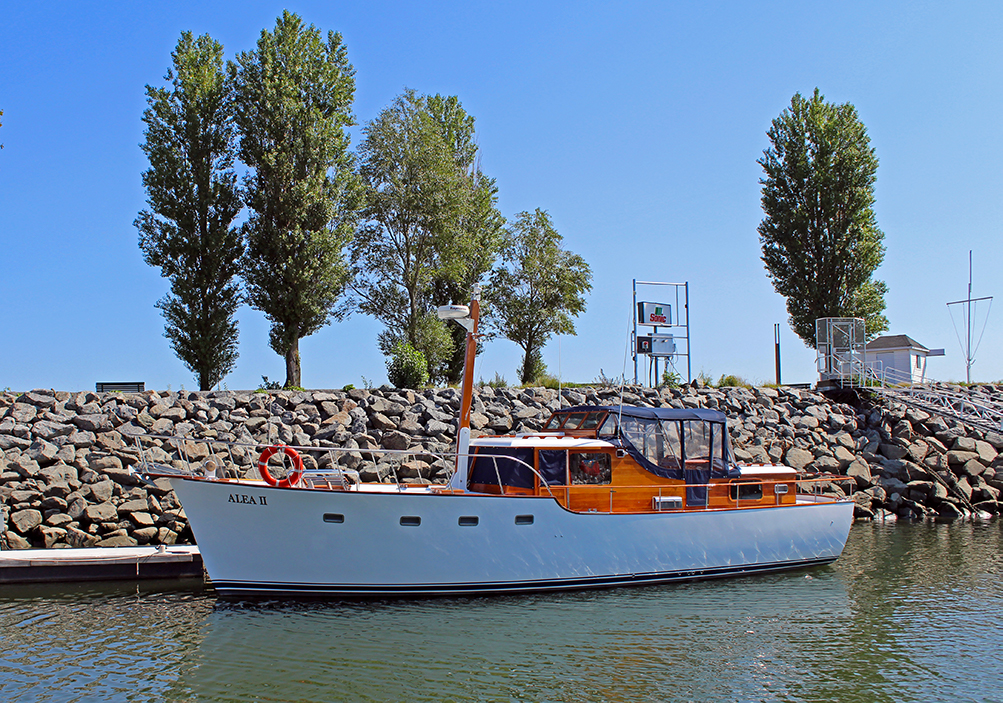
{"points": [[263, 540]]}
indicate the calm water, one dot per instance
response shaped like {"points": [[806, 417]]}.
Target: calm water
{"points": [[910, 613]]}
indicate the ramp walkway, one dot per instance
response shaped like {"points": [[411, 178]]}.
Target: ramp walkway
{"points": [[975, 409]]}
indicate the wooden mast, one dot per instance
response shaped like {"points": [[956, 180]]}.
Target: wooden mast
{"points": [[467, 393], [470, 323]]}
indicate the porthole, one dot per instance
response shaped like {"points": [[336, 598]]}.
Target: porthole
{"points": [[468, 521], [334, 517], [523, 519], [410, 521]]}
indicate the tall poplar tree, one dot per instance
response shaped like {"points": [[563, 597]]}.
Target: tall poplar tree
{"points": [[820, 237], [193, 199], [294, 98], [538, 290]]}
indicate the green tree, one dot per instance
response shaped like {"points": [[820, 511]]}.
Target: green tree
{"points": [[294, 96], [481, 227], [538, 289], [193, 199], [431, 227], [820, 238]]}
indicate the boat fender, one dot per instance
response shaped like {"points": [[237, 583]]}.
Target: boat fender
{"points": [[292, 478]]}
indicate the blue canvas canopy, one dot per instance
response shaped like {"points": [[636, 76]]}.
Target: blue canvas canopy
{"points": [[654, 440], [705, 414]]}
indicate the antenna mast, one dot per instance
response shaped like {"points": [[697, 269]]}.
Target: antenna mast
{"points": [[967, 314]]}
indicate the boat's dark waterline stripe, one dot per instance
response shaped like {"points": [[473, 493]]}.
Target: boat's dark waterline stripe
{"points": [[249, 588]]}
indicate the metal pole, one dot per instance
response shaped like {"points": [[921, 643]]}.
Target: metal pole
{"points": [[633, 314], [657, 379], [968, 351], [689, 348], [776, 343]]}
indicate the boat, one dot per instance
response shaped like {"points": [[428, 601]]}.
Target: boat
{"points": [[600, 497]]}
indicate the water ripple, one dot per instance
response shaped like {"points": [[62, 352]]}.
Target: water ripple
{"points": [[911, 612]]}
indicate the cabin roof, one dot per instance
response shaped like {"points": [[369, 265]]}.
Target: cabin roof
{"points": [[543, 440], [895, 341], [705, 414]]}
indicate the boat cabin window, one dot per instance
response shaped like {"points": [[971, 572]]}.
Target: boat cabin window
{"points": [[574, 421], [502, 466], [698, 440], [670, 443], [658, 441], [553, 466], [590, 468], [608, 428]]}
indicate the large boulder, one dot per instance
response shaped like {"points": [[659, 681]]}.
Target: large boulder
{"points": [[798, 458]]}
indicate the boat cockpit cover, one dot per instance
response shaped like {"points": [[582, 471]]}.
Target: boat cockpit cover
{"points": [[505, 466], [688, 444]]}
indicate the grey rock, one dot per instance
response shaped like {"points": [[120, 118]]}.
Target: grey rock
{"points": [[379, 421], [102, 491], [436, 428], [133, 506], [103, 512], [25, 520], [955, 457], [117, 541], [860, 472], [142, 519], [59, 472], [91, 423], [964, 444], [58, 520], [892, 451], [798, 458], [972, 467], [987, 453], [396, 440]]}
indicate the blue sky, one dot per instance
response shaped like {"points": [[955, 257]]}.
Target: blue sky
{"points": [[637, 126]]}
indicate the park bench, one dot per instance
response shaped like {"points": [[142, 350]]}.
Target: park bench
{"points": [[135, 387]]}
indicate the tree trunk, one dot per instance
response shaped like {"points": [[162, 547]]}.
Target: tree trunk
{"points": [[526, 374], [293, 365]]}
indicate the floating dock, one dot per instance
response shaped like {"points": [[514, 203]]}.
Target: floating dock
{"points": [[99, 564]]}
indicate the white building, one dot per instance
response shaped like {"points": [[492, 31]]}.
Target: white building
{"points": [[899, 357]]}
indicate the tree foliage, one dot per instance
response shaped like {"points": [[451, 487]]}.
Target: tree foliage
{"points": [[406, 367], [193, 199], [294, 96], [430, 227], [538, 289], [820, 238]]}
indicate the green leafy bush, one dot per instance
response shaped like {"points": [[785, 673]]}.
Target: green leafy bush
{"points": [[406, 367], [732, 381], [498, 382], [671, 379]]}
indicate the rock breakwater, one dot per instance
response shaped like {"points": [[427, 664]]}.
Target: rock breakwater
{"points": [[67, 478]]}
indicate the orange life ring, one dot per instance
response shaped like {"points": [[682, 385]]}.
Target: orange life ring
{"points": [[292, 478]]}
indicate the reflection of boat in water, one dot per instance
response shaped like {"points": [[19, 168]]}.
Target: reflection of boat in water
{"points": [[640, 644], [603, 496]]}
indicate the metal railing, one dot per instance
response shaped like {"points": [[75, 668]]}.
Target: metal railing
{"points": [[929, 395], [210, 468]]}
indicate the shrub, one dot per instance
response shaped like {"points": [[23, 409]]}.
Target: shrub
{"points": [[267, 385], [498, 382], [406, 367], [732, 381], [670, 379]]}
